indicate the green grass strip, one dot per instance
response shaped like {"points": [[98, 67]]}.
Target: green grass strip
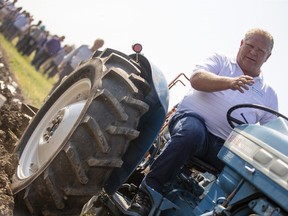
{"points": [[34, 86]]}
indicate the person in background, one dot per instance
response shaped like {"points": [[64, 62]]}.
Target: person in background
{"points": [[74, 58], [52, 67], [2, 4], [50, 49], [199, 126], [37, 39], [19, 26], [9, 19], [23, 41], [6, 8]]}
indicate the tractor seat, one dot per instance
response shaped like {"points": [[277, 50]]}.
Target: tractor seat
{"points": [[202, 166]]}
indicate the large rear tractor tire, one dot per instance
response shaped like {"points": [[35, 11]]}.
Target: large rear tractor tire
{"points": [[79, 136]]}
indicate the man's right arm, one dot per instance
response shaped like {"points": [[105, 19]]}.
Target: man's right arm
{"points": [[209, 82]]}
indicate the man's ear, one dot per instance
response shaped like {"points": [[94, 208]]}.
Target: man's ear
{"points": [[268, 57]]}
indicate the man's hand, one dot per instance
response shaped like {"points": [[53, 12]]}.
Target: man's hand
{"points": [[241, 83]]}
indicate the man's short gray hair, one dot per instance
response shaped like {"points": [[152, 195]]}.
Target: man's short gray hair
{"points": [[259, 31]]}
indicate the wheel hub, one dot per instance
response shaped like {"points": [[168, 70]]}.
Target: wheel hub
{"points": [[54, 125]]}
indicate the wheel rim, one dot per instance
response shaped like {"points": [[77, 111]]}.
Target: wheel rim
{"points": [[53, 129]]}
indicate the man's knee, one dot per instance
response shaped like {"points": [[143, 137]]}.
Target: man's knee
{"points": [[189, 129]]}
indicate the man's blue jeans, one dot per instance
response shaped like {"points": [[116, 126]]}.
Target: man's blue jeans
{"points": [[189, 137]]}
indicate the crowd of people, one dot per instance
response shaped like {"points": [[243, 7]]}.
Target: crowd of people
{"points": [[49, 53]]}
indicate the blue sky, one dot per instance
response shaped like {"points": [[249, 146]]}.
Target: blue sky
{"points": [[175, 34]]}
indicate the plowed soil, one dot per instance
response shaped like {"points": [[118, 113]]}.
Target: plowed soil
{"points": [[12, 124]]}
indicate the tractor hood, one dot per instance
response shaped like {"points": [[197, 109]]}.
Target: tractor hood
{"points": [[259, 153]]}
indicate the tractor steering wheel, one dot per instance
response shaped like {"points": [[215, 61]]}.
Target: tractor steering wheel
{"points": [[231, 120]]}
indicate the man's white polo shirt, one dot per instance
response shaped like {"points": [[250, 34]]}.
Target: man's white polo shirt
{"points": [[213, 106]]}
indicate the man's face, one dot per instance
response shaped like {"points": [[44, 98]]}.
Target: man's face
{"points": [[253, 52]]}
